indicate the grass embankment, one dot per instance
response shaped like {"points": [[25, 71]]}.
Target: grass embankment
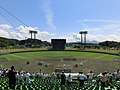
{"points": [[22, 49], [104, 50]]}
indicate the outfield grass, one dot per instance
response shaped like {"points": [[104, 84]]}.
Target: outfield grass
{"points": [[29, 55]]}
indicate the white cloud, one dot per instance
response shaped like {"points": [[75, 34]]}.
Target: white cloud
{"points": [[4, 33], [108, 27], [25, 29], [101, 38], [44, 33], [47, 8], [101, 20], [5, 26], [72, 37], [68, 38], [40, 34], [22, 32], [109, 32], [98, 37], [105, 32], [118, 30]]}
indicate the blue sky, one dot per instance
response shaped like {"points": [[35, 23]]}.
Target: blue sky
{"points": [[61, 19]]}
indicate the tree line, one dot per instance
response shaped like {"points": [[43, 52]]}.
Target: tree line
{"points": [[36, 43], [14, 43], [103, 45]]}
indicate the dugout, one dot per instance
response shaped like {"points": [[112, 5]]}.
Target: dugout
{"points": [[58, 44]]}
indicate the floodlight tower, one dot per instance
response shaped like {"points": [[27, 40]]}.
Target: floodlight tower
{"points": [[81, 37], [31, 33], [32, 41], [85, 32], [35, 32]]}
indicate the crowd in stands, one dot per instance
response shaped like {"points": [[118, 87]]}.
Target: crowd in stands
{"points": [[102, 79]]}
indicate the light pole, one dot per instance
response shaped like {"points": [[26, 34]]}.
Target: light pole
{"points": [[83, 40], [85, 32], [35, 32], [32, 32]]}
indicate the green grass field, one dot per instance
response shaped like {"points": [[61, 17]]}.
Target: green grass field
{"points": [[25, 55], [96, 62]]}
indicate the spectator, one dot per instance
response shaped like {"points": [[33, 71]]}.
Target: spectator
{"points": [[81, 78], [110, 77], [0, 72], [19, 77], [63, 78], [90, 75], [58, 76], [69, 79], [27, 77], [98, 81], [53, 74], [118, 75], [103, 79], [12, 77]]}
